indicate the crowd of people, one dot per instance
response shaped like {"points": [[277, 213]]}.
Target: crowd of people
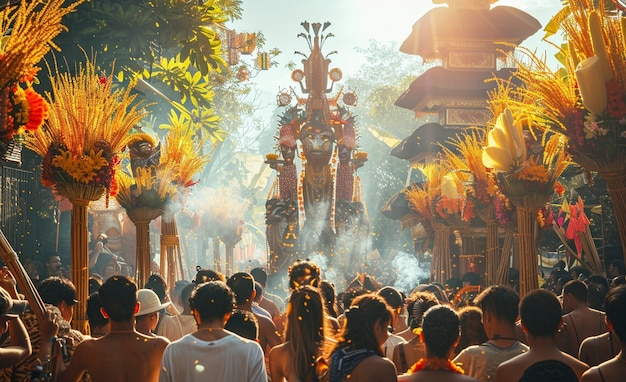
{"points": [[233, 329]]}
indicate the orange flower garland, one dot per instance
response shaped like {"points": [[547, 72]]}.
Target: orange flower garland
{"points": [[436, 364]]}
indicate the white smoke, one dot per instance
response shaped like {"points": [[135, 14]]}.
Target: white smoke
{"points": [[408, 272]]}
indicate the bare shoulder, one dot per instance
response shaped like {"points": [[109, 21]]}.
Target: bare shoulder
{"points": [[591, 375], [380, 368], [578, 366]]}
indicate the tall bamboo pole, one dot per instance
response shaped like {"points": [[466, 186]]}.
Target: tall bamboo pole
{"points": [[143, 257], [527, 244], [80, 261]]}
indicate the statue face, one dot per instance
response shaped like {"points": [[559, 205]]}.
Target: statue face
{"points": [[344, 153], [288, 153], [317, 143]]}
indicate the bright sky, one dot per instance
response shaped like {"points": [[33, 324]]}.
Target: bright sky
{"points": [[354, 24]]}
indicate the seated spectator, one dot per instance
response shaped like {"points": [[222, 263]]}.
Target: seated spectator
{"points": [[212, 353], [499, 305], [614, 369], [440, 334], [541, 320], [580, 321]]}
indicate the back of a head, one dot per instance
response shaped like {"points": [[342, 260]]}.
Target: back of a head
{"points": [[212, 300], [205, 275], [119, 298], [244, 324], [501, 301], [598, 280], [472, 278], [418, 304], [615, 305], [440, 329], [540, 311], [392, 297], [304, 272], [259, 291], [242, 284], [185, 294], [95, 317], [259, 275], [366, 311], [576, 289], [305, 316], [472, 330], [55, 289], [157, 284]]}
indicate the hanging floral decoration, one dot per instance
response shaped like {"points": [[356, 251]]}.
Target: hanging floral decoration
{"points": [[86, 129], [27, 29]]}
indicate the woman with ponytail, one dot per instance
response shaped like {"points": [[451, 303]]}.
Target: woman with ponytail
{"points": [[300, 357], [358, 355]]}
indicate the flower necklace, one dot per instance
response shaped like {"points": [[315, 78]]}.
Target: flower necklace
{"points": [[436, 364]]}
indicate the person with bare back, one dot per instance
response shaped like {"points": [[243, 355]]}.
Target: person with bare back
{"points": [[124, 354], [540, 312]]}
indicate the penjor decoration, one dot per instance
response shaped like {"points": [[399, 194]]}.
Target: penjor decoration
{"points": [[318, 211]]}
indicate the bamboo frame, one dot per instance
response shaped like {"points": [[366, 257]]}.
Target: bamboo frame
{"points": [[9, 256]]}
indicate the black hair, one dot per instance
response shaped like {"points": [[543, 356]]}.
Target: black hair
{"points": [[540, 311], [615, 304], [327, 289], [366, 311], [185, 294], [501, 301], [242, 284], [417, 304], [204, 275], [259, 275], [440, 329], [577, 289], [119, 298], [392, 297], [599, 280], [55, 289], [157, 284], [304, 272], [244, 324], [212, 300], [95, 317], [472, 278]]}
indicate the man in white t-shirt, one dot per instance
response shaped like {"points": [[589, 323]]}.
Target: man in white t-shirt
{"points": [[212, 353], [500, 307]]}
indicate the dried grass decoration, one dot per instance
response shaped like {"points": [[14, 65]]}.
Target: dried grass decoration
{"points": [[586, 100], [86, 128]]}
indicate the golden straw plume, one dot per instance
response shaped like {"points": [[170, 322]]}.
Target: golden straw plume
{"points": [[28, 30], [84, 109], [186, 149]]}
